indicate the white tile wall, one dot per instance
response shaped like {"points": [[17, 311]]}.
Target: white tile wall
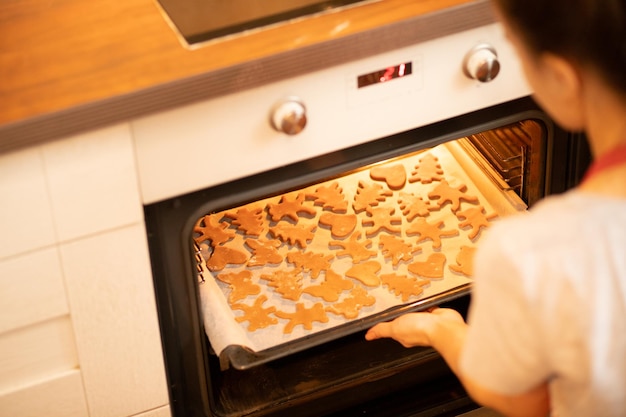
{"points": [[79, 332]]}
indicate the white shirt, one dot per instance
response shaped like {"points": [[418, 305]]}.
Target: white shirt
{"points": [[549, 303]]}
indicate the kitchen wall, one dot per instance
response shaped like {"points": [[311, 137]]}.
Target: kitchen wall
{"points": [[79, 332]]}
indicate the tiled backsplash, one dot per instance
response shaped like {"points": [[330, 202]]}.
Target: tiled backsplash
{"points": [[79, 332]]}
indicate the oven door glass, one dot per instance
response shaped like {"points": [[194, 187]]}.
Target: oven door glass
{"points": [[202, 20]]}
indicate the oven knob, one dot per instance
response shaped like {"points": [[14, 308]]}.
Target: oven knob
{"points": [[481, 63], [288, 116]]}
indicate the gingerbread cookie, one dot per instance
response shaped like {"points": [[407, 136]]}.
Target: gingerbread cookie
{"points": [[447, 194], [341, 225], [432, 231], [223, 256], [405, 286], [352, 305], [427, 171], [289, 206], [210, 229], [240, 285], [329, 289], [393, 175], [354, 248], [303, 316], [381, 218], [431, 268], [314, 263], [397, 249], [248, 220], [294, 234], [256, 316], [286, 283], [369, 195], [413, 206], [475, 219], [330, 198], [264, 252], [367, 273], [464, 261]]}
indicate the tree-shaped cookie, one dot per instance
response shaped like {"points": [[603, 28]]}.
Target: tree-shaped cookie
{"points": [[355, 248], [240, 285], [447, 194], [209, 228], [381, 218], [427, 170], [403, 285], [433, 231], [464, 261], [413, 206], [290, 205], [475, 218], [303, 316], [256, 316], [264, 252], [286, 283], [329, 289], [369, 195], [330, 197], [248, 220], [350, 306], [397, 249], [314, 263]]}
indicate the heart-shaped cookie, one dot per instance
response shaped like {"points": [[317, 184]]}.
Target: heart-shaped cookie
{"points": [[367, 273], [394, 175], [432, 267]]}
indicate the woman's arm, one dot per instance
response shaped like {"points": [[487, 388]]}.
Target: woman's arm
{"points": [[444, 329]]}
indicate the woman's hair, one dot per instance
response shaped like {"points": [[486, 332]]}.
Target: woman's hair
{"points": [[589, 32]]}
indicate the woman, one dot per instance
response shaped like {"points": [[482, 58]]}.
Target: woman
{"points": [[546, 330]]}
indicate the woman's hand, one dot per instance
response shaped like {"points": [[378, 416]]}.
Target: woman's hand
{"points": [[417, 329]]}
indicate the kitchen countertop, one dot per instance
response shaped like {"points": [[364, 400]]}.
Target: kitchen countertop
{"points": [[68, 66]]}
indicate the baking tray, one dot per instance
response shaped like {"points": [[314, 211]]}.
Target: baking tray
{"points": [[243, 349]]}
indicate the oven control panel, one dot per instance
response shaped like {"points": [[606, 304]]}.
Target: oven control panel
{"points": [[295, 119]]}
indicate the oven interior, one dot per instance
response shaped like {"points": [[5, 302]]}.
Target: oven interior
{"points": [[517, 150]]}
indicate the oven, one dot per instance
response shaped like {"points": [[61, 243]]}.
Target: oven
{"points": [[440, 136]]}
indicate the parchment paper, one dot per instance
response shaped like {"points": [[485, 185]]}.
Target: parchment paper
{"points": [[220, 321]]}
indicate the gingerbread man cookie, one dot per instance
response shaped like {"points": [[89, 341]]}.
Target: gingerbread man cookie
{"points": [[432, 231], [210, 229], [355, 248], [289, 206], [381, 218], [303, 316], [256, 316], [476, 219], [447, 194]]}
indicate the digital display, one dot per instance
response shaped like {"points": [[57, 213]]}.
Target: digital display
{"points": [[384, 75]]}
